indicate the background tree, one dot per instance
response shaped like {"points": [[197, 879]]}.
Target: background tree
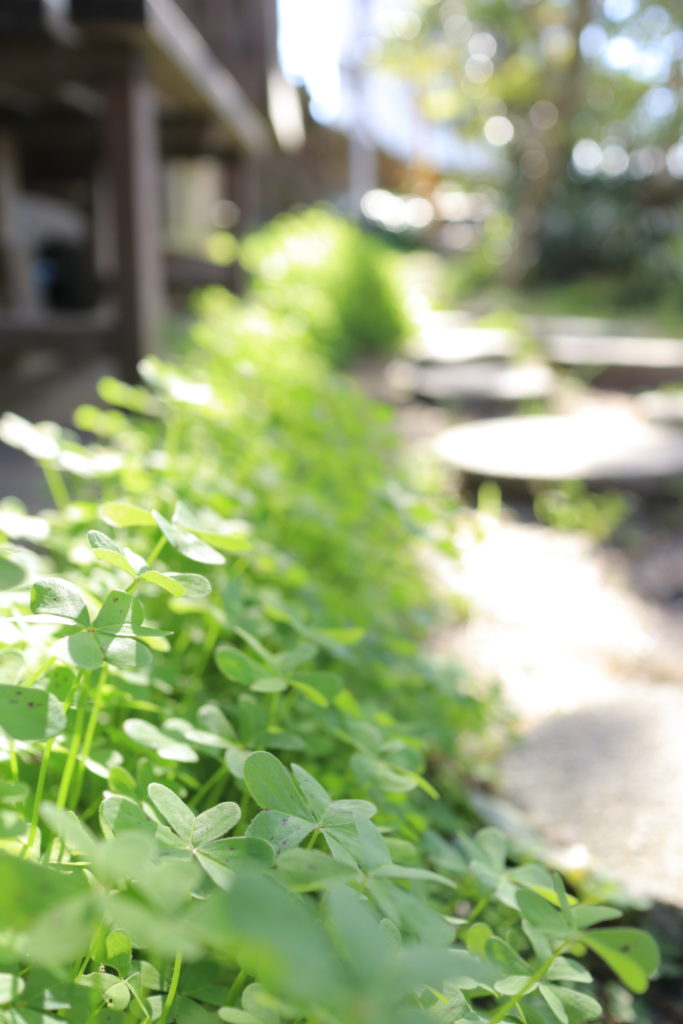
{"points": [[569, 92]]}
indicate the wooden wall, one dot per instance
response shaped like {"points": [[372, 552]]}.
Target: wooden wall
{"points": [[243, 34]]}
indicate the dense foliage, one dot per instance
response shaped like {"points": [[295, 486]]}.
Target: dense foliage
{"points": [[329, 275], [221, 747], [574, 112]]}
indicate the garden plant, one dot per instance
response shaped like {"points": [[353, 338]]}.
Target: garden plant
{"points": [[229, 779], [327, 274]]}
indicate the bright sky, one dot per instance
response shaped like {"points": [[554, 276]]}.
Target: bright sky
{"points": [[313, 37], [313, 34]]}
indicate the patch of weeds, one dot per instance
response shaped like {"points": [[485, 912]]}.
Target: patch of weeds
{"points": [[222, 748], [324, 271], [571, 506]]}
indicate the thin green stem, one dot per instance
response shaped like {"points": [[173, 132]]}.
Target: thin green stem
{"points": [[156, 551], [96, 942], [146, 1019], [534, 978], [39, 671], [183, 641], [55, 484], [478, 909], [42, 775], [74, 747], [13, 762], [95, 1010], [38, 796], [89, 736], [236, 988], [82, 967], [313, 839], [204, 789], [245, 808], [174, 428], [273, 709], [172, 989], [212, 633], [91, 810]]}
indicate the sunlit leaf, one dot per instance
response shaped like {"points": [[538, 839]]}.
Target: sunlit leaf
{"points": [[193, 584], [53, 596], [214, 823], [30, 714], [11, 574], [310, 870], [122, 513], [187, 543], [236, 665], [107, 551], [271, 785], [147, 735], [174, 810], [631, 953], [11, 986], [80, 650]]}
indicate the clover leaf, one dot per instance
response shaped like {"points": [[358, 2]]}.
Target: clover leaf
{"points": [[178, 584], [11, 574], [295, 807], [113, 635], [27, 713], [187, 543], [631, 953], [275, 673], [203, 835]]}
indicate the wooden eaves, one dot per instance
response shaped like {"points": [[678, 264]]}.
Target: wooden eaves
{"points": [[181, 63], [153, 85]]}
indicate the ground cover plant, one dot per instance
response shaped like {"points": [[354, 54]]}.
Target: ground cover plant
{"points": [[324, 271], [228, 776]]}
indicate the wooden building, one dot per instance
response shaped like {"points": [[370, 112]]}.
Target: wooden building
{"points": [[96, 96]]}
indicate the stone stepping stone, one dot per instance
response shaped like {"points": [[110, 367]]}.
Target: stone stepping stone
{"points": [[485, 384], [661, 406], [621, 362], [598, 445], [585, 326], [461, 344]]}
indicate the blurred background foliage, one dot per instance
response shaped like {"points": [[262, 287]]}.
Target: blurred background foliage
{"points": [[579, 104], [326, 273]]}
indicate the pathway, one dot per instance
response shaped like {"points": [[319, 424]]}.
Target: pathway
{"points": [[586, 643], [594, 673]]}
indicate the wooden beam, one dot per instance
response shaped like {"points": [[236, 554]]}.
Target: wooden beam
{"points": [[132, 141], [16, 281], [50, 17], [20, 14], [182, 62], [108, 10]]}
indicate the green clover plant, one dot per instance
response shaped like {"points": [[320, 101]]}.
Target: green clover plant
{"points": [[238, 794]]}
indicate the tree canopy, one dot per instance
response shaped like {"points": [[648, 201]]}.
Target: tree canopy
{"points": [[565, 92]]}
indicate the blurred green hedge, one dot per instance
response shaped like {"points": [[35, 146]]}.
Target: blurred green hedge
{"points": [[329, 274]]}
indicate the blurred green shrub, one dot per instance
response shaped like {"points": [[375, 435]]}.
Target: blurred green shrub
{"points": [[571, 506], [327, 273]]}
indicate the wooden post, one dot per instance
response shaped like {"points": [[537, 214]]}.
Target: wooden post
{"points": [[134, 152], [243, 35], [16, 282]]}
